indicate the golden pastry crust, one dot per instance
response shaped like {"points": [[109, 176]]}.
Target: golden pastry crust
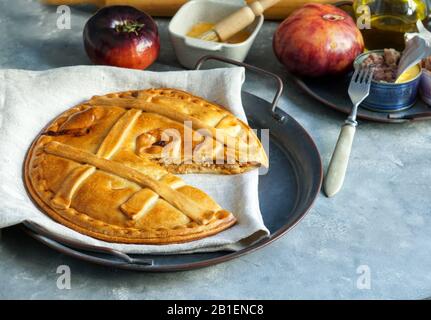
{"points": [[99, 168]]}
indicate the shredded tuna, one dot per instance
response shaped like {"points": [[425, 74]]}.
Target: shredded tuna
{"points": [[385, 66], [426, 63]]}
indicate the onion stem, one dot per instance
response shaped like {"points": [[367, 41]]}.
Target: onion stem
{"points": [[129, 26]]}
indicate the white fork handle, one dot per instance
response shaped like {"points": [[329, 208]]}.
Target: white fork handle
{"points": [[339, 161]]}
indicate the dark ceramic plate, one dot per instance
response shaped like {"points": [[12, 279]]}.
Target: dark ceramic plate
{"points": [[333, 93], [286, 194]]}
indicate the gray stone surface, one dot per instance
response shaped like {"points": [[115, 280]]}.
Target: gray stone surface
{"points": [[381, 219]]}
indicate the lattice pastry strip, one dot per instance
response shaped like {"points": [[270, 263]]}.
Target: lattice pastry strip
{"points": [[107, 149], [143, 200], [175, 198], [225, 129]]}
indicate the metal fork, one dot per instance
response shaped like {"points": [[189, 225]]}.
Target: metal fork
{"points": [[359, 90]]}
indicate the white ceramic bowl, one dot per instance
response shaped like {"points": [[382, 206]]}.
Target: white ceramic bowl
{"points": [[190, 50]]}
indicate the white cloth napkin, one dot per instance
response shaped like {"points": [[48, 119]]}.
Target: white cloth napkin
{"points": [[30, 99]]}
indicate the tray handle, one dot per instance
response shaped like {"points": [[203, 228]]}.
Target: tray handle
{"points": [[425, 115], [276, 115], [67, 246]]}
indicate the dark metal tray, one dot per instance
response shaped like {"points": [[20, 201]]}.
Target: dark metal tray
{"points": [[333, 93], [286, 192]]}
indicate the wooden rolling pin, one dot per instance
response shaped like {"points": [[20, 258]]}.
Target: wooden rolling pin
{"points": [[159, 8], [167, 8], [285, 7]]}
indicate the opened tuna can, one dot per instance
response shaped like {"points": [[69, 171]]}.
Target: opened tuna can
{"points": [[389, 96]]}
